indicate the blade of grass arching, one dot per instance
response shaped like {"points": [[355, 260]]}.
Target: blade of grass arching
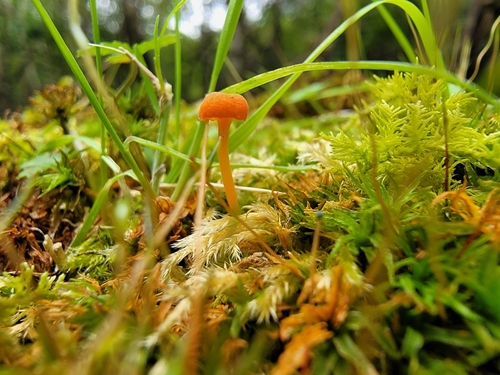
{"points": [[94, 101], [273, 75], [232, 16], [91, 72], [424, 27], [98, 63], [247, 128], [426, 34], [401, 38], [101, 198], [174, 11]]}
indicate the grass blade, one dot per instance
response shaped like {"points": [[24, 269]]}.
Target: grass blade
{"points": [[96, 208], [226, 36]]}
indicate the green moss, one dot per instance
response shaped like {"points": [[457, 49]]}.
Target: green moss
{"points": [[405, 126]]}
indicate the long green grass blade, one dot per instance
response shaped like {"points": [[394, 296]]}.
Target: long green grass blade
{"points": [[174, 11], [233, 14], [96, 208]]}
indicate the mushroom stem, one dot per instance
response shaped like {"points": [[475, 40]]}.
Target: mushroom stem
{"points": [[225, 165]]}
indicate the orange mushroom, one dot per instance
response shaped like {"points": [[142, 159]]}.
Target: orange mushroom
{"points": [[223, 108]]}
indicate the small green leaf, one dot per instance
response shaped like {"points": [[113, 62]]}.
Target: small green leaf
{"points": [[413, 341]]}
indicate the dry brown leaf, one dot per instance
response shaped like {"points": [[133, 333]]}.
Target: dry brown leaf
{"points": [[39, 216], [165, 206], [298, 351], [485, 219], [231, 349]]}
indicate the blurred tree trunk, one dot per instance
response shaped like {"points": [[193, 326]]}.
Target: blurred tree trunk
{"points": [[277, 40], [238, 53], [131, 27], [4, 102]]}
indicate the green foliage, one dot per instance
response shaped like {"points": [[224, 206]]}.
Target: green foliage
{"points": [[405, 125], [91, 263], [56, 170], [18, 295]]}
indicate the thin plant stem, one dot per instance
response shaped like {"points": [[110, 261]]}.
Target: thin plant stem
{"points": [[446, 146], [164, 94], [174, 11], [315, 244], [158, 170], [493, 62], [200, 204]]}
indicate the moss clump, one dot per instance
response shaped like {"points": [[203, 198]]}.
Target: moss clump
{"points": [[402, 135]]}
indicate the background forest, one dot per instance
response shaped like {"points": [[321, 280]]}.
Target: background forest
{"points": [[270, 34]]}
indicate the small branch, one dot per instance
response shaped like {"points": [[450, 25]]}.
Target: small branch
{"points": [[446, 148]]}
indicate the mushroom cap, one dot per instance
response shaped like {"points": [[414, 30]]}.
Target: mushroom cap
{"points": [[217, 105]]}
